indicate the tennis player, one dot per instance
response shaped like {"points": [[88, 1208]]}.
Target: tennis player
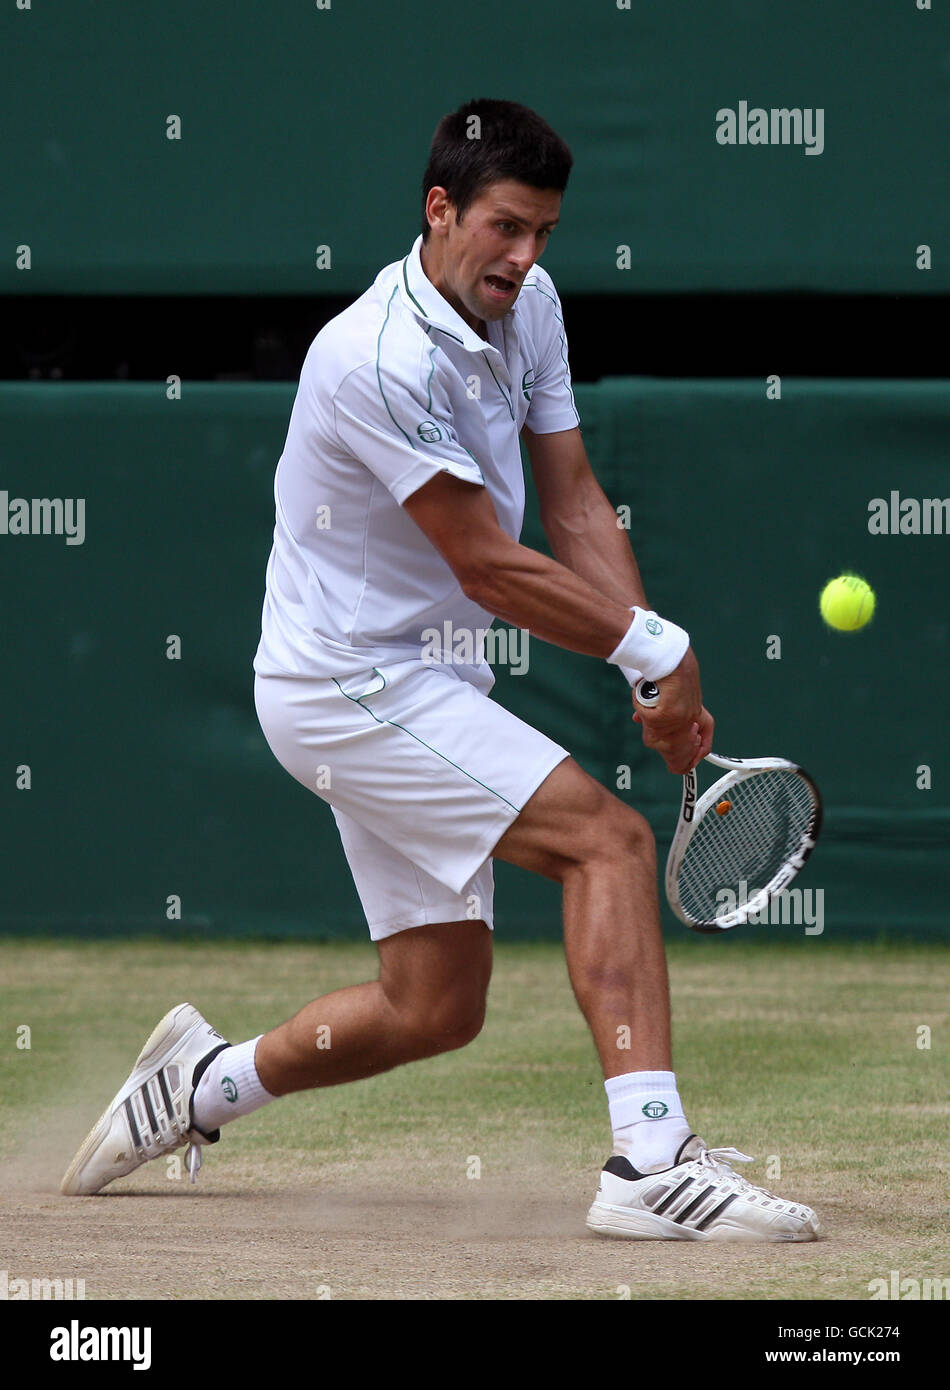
{"points": [[399, 503]]}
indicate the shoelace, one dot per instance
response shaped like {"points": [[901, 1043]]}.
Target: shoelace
{"points": [[193, 1159], [719, 1159]]}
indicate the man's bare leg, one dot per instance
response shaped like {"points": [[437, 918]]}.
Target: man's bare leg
{"points": [[602, 852], [429, 998], [430, 995], [187, 1082]]}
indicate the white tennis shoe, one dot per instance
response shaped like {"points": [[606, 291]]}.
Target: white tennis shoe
{"points": [[152, 1114], [698, 1198]]}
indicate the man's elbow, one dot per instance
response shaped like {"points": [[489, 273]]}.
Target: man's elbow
{"points": [[486, 580], [477, 583]]}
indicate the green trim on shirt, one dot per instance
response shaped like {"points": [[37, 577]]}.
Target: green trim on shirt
{"points": [[499, 385], [379, 343], [533, 285]]}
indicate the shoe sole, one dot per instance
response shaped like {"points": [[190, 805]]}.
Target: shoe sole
{"points": [[164, 1041], [626, 1223]]}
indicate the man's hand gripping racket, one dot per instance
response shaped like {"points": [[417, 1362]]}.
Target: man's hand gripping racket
{"points": [[757, 826]]}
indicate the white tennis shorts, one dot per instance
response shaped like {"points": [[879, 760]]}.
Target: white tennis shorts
{"points": [[424, 774]]}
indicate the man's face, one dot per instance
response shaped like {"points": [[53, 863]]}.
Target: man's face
{"points": [[481, 262]]}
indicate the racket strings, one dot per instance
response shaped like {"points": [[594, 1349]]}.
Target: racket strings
{"points": [[771, 813]]}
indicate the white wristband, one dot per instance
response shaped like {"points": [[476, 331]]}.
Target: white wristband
{"points": [[651, 647], [632, 675]]}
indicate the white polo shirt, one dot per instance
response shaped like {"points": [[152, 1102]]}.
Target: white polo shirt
{"points": [[394, 390]]}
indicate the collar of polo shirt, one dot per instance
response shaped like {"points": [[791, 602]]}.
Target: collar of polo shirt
{"points": [[423, 298]]}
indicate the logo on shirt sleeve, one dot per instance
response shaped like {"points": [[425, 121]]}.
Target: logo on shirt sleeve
{"points": [[429, 431], [527, 383]]}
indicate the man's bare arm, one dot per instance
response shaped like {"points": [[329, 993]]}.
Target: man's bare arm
{"points": [[516, 583], [578, 520], [581, 527], [532, 591]]}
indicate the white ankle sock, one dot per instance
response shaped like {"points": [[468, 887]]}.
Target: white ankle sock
{"points": [[647, 1118], [230, 1087]]}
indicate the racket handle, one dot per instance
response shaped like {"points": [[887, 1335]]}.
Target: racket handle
{"points": [[647, 692]]}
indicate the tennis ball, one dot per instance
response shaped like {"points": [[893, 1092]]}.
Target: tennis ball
{"points": [[847, 602]]}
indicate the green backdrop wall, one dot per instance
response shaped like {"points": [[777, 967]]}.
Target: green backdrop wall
{"points": [[308, 125], [150, 777]]}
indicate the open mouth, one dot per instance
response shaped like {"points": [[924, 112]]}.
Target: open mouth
{"points": [[500, 286]]}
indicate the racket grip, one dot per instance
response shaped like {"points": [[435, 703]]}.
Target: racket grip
{"points": [[647, 692]]}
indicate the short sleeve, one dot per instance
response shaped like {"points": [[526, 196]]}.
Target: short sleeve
{"points": [[551, 405], [386, 420]]}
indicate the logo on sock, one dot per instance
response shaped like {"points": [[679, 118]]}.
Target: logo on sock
{"points": [[231, 1091], [654, 1109]]}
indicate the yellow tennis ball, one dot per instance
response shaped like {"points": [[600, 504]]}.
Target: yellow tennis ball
{"points": [[847, 602]]}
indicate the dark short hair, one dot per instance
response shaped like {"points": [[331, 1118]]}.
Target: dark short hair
{"points": [[513, 143]]}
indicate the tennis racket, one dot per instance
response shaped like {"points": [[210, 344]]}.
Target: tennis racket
{"points": [[757, 826]]}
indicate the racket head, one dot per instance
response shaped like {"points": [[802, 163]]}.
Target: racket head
{"points": [[762, 840]]}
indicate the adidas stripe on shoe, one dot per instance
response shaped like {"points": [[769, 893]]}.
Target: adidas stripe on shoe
{"points": [[699, 1198], [152, 1114]]}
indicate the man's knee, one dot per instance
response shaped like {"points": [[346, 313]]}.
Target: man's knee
{"points": [[444, 1024], [615, 832], [458, 1025], [437, 985], [573, 822], [634, 831]]}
